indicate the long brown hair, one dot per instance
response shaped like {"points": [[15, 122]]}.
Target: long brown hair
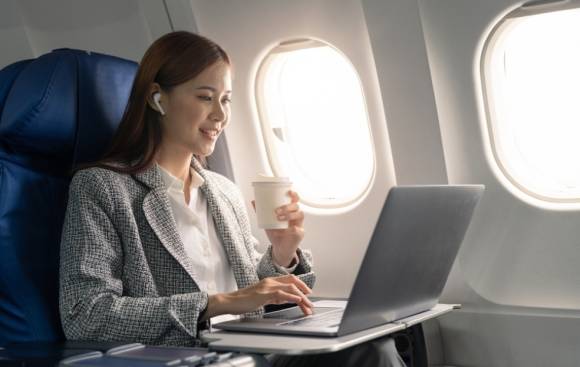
{"points": [[171, 60]]}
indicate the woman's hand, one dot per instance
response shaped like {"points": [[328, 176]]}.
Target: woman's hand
{"points": [[274, 290], [285, 241]]}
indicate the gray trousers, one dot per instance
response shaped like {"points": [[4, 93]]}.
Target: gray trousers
{"points": [[376, 353]]}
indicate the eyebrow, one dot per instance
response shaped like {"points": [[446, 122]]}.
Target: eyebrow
{"points": [[211, 88]]}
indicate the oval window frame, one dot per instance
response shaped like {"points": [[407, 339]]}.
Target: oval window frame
{"points": [[495, 35], [288, 45]]}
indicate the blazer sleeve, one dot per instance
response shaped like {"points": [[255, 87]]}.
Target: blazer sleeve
{"points": [[92, 305], [266, 268]]}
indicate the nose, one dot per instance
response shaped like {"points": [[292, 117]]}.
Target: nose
{"points": [[218, 113]]}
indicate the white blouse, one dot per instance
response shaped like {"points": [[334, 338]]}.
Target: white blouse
{"points": [[213, 273]]}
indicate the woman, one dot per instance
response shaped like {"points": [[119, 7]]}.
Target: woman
{"points": [[154, 245]]}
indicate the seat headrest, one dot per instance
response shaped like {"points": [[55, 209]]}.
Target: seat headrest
{"points": [[67, 102], [105, 84], [7, 76]]}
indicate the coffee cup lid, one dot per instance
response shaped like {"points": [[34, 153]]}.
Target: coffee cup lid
{"points": [[262, 178]]}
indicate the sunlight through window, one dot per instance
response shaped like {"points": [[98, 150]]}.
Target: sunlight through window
{"points": [[315, 122], [532, 76]]}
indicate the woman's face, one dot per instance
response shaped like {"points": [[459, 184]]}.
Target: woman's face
{"points": [[197, 111]]}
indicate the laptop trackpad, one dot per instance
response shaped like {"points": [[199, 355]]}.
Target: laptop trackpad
{"points": [[296, 312]]}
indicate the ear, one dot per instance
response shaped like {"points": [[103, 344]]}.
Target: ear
{"points": [[154, 88]]}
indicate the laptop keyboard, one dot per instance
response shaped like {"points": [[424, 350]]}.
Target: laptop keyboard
{"points": [[326, 319]]}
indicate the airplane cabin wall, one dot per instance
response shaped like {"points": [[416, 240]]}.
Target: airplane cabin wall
{"points": [[124, 28], [517, 272], [396, 35]]}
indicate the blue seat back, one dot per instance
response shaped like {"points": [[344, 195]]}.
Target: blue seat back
{"points": [[56, 111]]}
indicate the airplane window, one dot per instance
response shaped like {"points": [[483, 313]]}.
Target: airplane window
{"points": [[532, 91], [314, 122]]}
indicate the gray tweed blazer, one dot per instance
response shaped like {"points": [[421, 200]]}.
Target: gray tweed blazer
{"points": [[124, 273]]}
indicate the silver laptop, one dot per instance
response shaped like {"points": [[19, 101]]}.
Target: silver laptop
{"points": [[404, 270]]}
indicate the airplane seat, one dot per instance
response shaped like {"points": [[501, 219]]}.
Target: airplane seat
{"points": [[56, 111]]}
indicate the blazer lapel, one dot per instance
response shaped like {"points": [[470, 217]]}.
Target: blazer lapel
{"points": [[159, 216], [225, 221]]}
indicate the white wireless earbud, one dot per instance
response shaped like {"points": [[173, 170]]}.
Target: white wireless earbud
{"points": [[156, 98]]}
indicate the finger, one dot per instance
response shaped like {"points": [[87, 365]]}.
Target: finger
{"points": [[294, 196], [293, 279], [291, 288], [305, 309], [289, 208], [292, 213], [280, 297], [294, 216], [297, 223]]}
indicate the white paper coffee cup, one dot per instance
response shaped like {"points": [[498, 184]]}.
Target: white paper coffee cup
{"points": [[269, 194]]}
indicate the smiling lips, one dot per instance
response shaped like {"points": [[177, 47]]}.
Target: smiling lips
{"points": [[210, 133]]}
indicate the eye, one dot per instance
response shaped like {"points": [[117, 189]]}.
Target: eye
{"points": [[205, 98], [227, 100]]}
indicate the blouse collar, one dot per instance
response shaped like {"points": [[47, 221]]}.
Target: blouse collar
{"points": [[174, 183]]}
